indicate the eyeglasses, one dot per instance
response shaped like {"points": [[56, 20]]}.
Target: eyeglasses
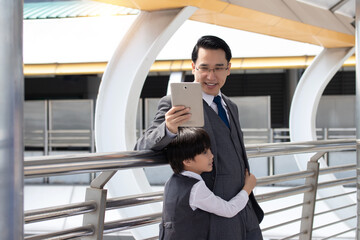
{"points": [[219, 70]]}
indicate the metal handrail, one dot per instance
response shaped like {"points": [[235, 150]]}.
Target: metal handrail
{"points": [[282, 224], [334, 209], [91, 162], [130, 223], [338, 182], [283, 193], [335, 169], [65, 234], [68, 210], [57, 165], [340, 233], [74, 209], [334, 222], [94, 162], [271, 149], [134, 200], [283, 177], [286, 208], [334, 196]]}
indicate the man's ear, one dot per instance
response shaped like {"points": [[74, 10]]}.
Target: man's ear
{"points": [[229, 67]]}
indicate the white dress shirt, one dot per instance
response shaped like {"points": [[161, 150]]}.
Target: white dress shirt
{"points": [[201, 197], [209, 99]]}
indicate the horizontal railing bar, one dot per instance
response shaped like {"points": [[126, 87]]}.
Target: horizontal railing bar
{"points": [[342, 129], [69, 131], [334, 169], [281, 137], [338, 234], [288, 129], [28, 139], [130, 223], [256, 129], [333, 223], [80, 163], [286, 208], [333, 183], [266, 150], [93, 162], [256, 137], [71, 233], [282, 224], [283, 193], [152, 238], [69, 138], [292, 236], [283, 177], [73, 209], [281, 129], [341, 136], [134, 200], [90, 157], [68, 210], [334, 209], [34, 131], [70, 145], [64, 169], [335, 196]]}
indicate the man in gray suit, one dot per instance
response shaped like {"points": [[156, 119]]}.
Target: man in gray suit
{"points": [[210, 66]]}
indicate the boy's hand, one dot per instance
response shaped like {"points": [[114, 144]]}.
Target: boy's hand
{"points": [[250, 182]]}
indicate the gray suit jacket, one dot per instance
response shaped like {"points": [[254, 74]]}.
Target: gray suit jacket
{"points": [[155, 138]]}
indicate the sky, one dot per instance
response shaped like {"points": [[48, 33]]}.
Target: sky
{"points": [[94, 39]]}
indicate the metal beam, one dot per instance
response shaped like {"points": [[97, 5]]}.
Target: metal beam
{"points": [[338, 5], [119, 93], [11, 112], [357, 110], [303, 114]]}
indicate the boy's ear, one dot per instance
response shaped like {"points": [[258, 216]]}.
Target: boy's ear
{"points": [[187, 162]]}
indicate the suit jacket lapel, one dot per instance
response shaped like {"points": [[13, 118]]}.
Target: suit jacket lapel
{"points": [[208, 127], [234, 114]]}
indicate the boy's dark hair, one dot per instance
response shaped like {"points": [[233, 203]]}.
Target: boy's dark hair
{"points": [[211, 42], [188, 143]]}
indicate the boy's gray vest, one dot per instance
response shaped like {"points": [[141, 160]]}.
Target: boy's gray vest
{"points": [[179, 221]]}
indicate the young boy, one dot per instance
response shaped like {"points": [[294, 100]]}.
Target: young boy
{"points": [[188, 202]]}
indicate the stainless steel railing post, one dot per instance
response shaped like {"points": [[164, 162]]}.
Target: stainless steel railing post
{"points": [[271, 159], [358, 188], [96, 218], [310, 197], [11, 119], [99, 195], [357, 108]]}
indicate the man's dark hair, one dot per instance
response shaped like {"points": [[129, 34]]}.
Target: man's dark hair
{"points": [[188, 143], [211, 42]]}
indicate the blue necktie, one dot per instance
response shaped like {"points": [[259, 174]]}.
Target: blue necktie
{"points": [[221, 110]]}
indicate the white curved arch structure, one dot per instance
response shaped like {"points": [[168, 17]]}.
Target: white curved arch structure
{"points": [[118, 97], [303, 115]]}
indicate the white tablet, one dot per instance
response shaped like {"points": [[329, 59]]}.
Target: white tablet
{"points": [[189, 94]]}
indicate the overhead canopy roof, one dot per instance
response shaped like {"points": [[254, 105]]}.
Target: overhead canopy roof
{"points": [[327, 23], [69, 9]]}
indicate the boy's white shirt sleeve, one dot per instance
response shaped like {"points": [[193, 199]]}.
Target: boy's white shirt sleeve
{"points": [[202, 197]]}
